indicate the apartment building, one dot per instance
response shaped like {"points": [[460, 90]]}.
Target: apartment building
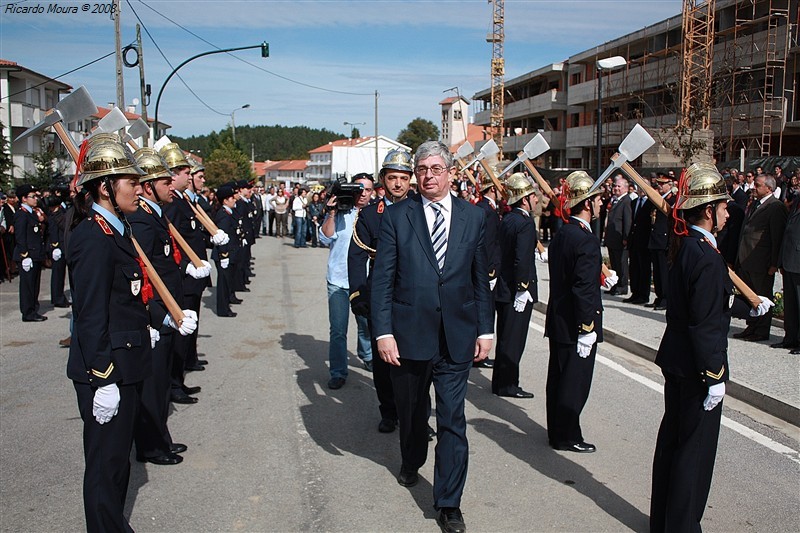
{"points": [[346, 157]]}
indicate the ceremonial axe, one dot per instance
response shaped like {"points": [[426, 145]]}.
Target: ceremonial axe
{"points": [[463, 151], [535, 147], [488, 150], [114, 121], [634, 145]]}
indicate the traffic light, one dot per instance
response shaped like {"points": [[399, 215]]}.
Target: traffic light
{"points": [[265, 49]]}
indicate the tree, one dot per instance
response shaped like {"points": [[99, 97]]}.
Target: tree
{"points": [[47, 171], [355, 134], [227, 163], [6, 163], [417, 132]]}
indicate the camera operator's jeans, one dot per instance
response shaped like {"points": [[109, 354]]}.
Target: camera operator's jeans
{"points": [[299, 231], [338, 315]]}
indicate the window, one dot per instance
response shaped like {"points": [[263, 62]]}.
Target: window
{"points": [[457, 114]]}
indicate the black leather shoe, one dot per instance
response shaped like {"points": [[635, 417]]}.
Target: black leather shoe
{"points": [[236, 301], [486, 363], [746, 332], [451, 520], [202, 362], [63, 305], [168, 459], [755, 338], [177, 447], [578, 447], [228, 314], [796, 351], [387, 425], [368, 365], [659, 307], [628, 300], [783, 345], [182, 397], [35, 318], [431, 433], [621, 292], [245, 290], [519, 393], [191, 390], [639, 301], [408, 478], [195, 368], [336, 383]]}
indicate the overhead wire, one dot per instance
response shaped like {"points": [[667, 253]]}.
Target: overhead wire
{"points": [[248, 62]]}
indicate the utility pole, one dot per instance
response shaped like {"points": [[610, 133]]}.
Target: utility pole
{"points": [[142, 86], [118, 38], [377, 162]]}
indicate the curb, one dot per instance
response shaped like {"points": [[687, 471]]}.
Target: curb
{"points": [[735, 389]]}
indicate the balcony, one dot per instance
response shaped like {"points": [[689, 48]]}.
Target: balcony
{"points": [[25, 115], [515, 143]]}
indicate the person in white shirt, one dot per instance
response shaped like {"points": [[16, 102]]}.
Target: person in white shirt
{"points": [[299, 211]]}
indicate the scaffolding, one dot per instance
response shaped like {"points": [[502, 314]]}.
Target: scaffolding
{"points": [[697, 61], [498, 71]]}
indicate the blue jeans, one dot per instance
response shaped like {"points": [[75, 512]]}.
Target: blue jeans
{"points": [[338, 315], [299, 231]]}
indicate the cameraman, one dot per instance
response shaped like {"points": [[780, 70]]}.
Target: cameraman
{"points": [[336, 232]]}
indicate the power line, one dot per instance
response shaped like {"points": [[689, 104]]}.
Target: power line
{"points": [[170, 64], [248, 62]]}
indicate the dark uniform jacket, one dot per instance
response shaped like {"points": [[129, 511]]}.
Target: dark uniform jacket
{"points": [[699, 305], [110, 340], [789, 258], [247, 212], [180, 213], [152, 234], [56, 229], [518, 238], [491, 237], [232, 225], [575, 264], [360, 262], [29, 234], [659, 235]]}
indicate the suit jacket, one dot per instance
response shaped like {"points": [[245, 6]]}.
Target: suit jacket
{"points": [[492, 237], [29, 234], [110, 341], [415, 302], [762, 235], [659, 235], [575, 264], [789, 258], [641, 225], [740, 197], [180, 213], [618, 223], [728, 238], [518, 238]]}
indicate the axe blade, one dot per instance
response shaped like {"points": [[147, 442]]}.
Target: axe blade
{"points": [[48, 121], [138, 128], [636, 143], [607, 172], [114, 121], [464, 150], [536, 147], [163, 141], [489, 149], [516, 162], [75, 106]]}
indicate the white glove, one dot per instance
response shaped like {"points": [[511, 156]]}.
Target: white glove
{"points": [[611, 280], [106, 403], [220, 238], [198, 273], [521, 299], [542, 256], [244, 242], [155, 336], [56, 254], [492, 283], [224, 262], [715, 395], [188, 324], [762, 308], [585, 343], [27, 263]]}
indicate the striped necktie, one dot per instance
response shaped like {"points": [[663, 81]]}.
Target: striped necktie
{"points": [[439, 234]]}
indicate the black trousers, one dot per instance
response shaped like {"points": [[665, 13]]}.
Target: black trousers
{"points": [[271, 225], [684, 458], [151, 434], [512, 334], [185, 348], [412, 381], [619, 263], [761, 283], [58, 275], [660, 274], [29, 283], [107, 449], [791, 307], [381, 378], [569, 379], [640, 273], [224, 292]]}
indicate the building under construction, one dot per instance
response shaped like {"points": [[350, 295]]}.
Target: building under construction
{"points": [[746, 101]]}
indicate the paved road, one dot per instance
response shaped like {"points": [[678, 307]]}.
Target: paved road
{"points": [[271, 449]]}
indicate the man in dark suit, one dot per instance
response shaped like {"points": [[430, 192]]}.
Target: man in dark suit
{"points": [[738, 193], [618, 228], [639, 254], [431, 310], [56, 228], [516, 290], [789, 263], [759, 247], [574, 321], [658, 244], [29, 253]]}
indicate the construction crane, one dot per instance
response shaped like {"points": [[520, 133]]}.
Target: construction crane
{"points": [[498, 71], [698, 56]]}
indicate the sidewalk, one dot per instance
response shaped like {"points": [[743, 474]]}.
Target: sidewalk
{"points": [[764, 377]]}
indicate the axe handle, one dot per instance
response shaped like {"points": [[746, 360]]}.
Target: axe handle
{"points": [[172, 306], [193, 257], [467, 171], [204, 220], [540, 180], [493, 176], [66, 140], [664, 207], [133, 145]]}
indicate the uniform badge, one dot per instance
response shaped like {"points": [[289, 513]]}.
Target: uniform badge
{"points": [[146, 207], [36, 229], [193, 224], [103, 224], [166, 250], [136, 286], [730, 301], [381, 207]]}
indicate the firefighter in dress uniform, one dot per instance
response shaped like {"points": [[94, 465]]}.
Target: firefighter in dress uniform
{"points": [[489, 203], [693, 353], [226, 255], [110, 352], [29, 252]]}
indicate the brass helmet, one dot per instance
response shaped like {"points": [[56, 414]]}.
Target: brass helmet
{"points": [[105, 155], [196, 165], [397, 160], [703, 184], [152, 164], [518, 186], [174, 156], [579, 183], [486, 184]]}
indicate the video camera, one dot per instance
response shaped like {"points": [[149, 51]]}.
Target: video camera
{"points": [[346, 194]]}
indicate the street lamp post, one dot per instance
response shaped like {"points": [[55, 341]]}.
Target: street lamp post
{"points": [[353, 126], [608, 64], [233, 120]]}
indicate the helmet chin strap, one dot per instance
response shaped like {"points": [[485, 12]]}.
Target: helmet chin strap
{"points": [[155, 193], [714, 228], [592, 214], [113, 199]]}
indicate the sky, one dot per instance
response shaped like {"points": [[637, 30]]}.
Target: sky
{"points": [[327, 58]]}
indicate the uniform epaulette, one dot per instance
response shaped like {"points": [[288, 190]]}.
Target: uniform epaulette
{"points": [[381, 207], [146, 207], [103, 225]]}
